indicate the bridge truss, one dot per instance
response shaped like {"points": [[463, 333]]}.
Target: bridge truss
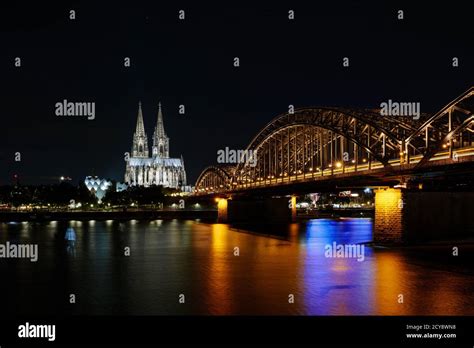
{"points": [[318, 142]]}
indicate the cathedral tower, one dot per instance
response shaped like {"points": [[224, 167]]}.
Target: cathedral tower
{"points": [[140, 140], [160, 140]]}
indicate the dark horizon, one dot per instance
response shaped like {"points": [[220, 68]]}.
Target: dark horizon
{"points": [[190, 62]]}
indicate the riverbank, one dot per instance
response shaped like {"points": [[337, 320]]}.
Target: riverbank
{"points": [[208, 215]]}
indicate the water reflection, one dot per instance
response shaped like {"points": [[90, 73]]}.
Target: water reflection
{"points": [[219, 281], [337, 285], [70, 238], [224, 270]]}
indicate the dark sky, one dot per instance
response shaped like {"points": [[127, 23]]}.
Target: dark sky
{"points": [[190, 62]]}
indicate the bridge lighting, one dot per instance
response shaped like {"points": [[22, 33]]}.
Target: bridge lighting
{"points": [[364, 160], [401, 153], [338, 164], [353, 161], [330, 165], [217, 199], [310, 169], [445, 146]]}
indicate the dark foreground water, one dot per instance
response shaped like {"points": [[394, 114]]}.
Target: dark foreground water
{"points": [[172, 258]]}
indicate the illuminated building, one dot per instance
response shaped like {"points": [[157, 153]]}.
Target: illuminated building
{"points": [[159, 169], [97, 186]]}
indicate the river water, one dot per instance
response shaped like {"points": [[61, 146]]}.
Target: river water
{"points": [[223, 270]]}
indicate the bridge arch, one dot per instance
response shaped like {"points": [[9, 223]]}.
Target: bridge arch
{"points": [[321, 138], [214, 179], [333, 140], [449, 129]]}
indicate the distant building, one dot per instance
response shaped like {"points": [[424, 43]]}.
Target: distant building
{"points": [[159, 169], [97, 186], [100, 186]]}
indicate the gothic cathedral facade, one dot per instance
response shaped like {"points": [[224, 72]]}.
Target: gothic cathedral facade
{"points": [[157, 169]]}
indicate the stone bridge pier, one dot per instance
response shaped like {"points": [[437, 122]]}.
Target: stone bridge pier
{"points": [[254, 210], [401, 215], [410, 216]]}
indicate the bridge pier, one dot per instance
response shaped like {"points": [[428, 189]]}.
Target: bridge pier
{"points": [[293, 208], [389, 209], [254, 210], [222, 206], [410, 216]]}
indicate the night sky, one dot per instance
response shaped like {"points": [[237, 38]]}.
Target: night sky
{"points": [[190, 62]]}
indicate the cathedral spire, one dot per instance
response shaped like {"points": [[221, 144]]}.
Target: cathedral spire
{"points": [[140, 140], [160, 140], [140, 130], [160, 128]]}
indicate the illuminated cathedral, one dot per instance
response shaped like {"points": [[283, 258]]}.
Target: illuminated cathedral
{"points": [[157, 169]]}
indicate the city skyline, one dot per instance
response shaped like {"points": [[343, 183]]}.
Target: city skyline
{"points": [[187, 62]]}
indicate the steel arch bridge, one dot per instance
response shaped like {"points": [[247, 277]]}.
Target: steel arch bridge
{"points": [[314, 143], [218, 178]]}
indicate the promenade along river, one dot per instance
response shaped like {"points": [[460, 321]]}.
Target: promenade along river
{"points": [[222, 270]]}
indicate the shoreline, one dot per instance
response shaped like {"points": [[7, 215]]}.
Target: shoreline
{"points": [[107, 215], [204, 216]]}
